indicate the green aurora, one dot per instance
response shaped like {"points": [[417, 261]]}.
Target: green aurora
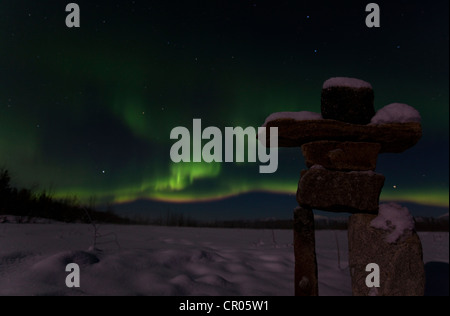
{"points": [[88, 112]]}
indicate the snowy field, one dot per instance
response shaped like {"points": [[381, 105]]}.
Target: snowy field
{"points": [[149, 260]]}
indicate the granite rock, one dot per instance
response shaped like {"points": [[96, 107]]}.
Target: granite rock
{"points": [[393, 137], [344, 156], [337, 191], [306, 279], [401, 265], [348, 104]]}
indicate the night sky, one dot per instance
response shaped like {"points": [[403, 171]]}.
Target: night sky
{"points": [[88, 111]]}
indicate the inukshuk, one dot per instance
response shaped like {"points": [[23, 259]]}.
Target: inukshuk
{"points": [[340, 148]]}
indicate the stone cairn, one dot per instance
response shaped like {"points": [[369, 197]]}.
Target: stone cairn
{"points": [[341, 151]]}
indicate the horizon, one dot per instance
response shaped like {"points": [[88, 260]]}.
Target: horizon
{"points": [[94, 118], [241, 207]]}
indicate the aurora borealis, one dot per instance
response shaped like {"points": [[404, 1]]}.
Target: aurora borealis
{"points": [[88, 111]]}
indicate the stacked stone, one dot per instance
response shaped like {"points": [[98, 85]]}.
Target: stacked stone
{"points": [[341, 153], [341, 175]]}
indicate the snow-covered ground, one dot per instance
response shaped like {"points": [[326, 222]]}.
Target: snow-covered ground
{"points": [[149, 260]]}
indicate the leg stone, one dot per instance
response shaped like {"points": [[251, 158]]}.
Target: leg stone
{"points": [[401, 265], [306, 280]]}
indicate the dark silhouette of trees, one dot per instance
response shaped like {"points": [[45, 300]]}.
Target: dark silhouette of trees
{"points": [[26, 204]]}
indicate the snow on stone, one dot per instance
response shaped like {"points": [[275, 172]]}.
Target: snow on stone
{"points": [[394, 219], [346, 82], [298, 116], [396, 113]]}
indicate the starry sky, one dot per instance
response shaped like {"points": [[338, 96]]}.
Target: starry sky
{"points": [[88, 111]]}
